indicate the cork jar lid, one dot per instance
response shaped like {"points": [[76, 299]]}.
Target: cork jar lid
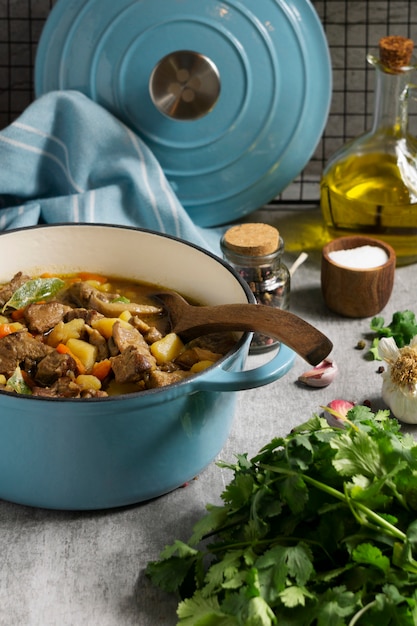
{"points": [[395, 51], [255, 239]]}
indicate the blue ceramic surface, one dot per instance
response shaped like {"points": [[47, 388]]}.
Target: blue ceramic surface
{"points": [[103, 453], [96, 455], [275, 77]]}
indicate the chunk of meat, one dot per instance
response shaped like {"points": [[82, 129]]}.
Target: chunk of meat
{"points": [[96, 339], [215, 342], [113, 349], [126, 337], [64, 387], [6, 291], [131, 365], [157, 378], [84, 295], [20, 349], [193, 355], [53, 366], [41, 317], [94, 393], [88, 315], [149, 333]]}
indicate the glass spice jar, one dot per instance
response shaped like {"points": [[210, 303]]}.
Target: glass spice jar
{"points": [[255, 252]]}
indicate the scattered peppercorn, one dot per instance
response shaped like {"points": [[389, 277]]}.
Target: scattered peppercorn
{"points": [[380, 369], [361, 345]]}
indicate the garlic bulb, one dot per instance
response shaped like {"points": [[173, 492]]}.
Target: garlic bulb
{"points": [[399, 386]]}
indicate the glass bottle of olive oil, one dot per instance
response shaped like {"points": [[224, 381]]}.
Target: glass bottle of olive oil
{"points": [[369, 186]]}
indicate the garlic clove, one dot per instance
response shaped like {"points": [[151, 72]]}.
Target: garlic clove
{"points": [[388, 350], [321, 375]]}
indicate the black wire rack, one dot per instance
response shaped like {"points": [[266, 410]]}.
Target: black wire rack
{"points": [[353, 28]]}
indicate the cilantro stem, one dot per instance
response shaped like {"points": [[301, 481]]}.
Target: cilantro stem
{"points": [[390, 528], [279, 540], [380, 521], [359, 614]]}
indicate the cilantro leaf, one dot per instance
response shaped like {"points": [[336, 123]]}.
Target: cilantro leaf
{"points": [[318, 529], [17, 383], [170, 572], [362, 458], [403, 327], [335, 604], [259, 613], [373, 350], [239, 491], [294, 596], [203, 611], [366, 553]]}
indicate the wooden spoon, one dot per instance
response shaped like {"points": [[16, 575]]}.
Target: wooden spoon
{"points": [[191, 321]]}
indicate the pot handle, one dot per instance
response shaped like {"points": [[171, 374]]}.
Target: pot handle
{"points": [[222, 380]]}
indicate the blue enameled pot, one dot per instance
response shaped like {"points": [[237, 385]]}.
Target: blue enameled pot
{"points": [[102, 453]]}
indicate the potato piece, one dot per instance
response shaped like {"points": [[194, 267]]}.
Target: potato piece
{"points": [[104, 325], [86, 352], [200, 366], [65, 331], [125, 316], [105, 287], [167, 348], [87, 381], [95, 283], [56, 334]]}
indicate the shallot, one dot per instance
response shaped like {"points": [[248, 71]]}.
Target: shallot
{"points": [[336, 412]]}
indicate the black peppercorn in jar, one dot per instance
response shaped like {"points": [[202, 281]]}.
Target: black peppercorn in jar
{"points": [[255, 252]]}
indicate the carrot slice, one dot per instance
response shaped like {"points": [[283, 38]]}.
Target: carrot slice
{"points": [[101, 369], [92, 276], [28, 379], [63, 349], [18, 314], [8, 329]]}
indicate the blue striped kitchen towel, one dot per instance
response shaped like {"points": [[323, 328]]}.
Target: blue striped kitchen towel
{"points": [[67, 159]]}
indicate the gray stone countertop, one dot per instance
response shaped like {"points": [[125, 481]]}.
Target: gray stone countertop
{"points": [[87, 568]]}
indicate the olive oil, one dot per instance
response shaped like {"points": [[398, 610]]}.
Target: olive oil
{"points": [[367, 194], [369, 186]]}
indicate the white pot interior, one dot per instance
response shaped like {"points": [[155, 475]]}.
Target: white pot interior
{"points": [[122, 252]]}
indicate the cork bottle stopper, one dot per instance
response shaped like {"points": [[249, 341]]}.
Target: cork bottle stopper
{"points": [[252, 239], [395, 51]]}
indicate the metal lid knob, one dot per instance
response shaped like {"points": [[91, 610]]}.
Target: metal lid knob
{"points": [[185, 85]]}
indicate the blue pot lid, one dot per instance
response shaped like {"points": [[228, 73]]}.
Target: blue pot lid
{"points": [[231, 97]]}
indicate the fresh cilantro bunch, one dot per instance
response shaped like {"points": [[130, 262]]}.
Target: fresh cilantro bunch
{"points": [[403, 327], [318, 529]]}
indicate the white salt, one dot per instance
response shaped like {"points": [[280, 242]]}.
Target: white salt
{"points": [[363, 257]]}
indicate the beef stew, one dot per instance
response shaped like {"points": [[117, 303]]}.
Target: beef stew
{"points": [[90, 336]]}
